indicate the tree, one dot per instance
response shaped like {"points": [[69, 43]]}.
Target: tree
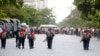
{"points": [[89, 10], [11, 8], [38, 17], [2, 14], [17, 3], [32, 16], [73, 19]]}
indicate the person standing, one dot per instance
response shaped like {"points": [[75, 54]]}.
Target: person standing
{"points": [[22, 36], [17, 38], [98, 34], [86, 39], [49, 38], [3, 37], [31, 38]]}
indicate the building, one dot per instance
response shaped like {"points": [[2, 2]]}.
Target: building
{"points": [[39, 4]]}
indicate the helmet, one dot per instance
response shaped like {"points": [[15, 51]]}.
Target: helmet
{"points": [[23, 24]]}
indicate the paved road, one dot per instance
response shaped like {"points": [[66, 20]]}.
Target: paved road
{"points": [[63, 45]]}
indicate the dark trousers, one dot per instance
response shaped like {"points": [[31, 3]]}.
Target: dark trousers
{"points": [[3, 42], [49, 43], [21, 42], [86, 44], [17, 41], [31, 42]]}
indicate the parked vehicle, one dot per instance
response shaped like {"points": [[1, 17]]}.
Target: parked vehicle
{"points": [[44, 28], [11, 25]]}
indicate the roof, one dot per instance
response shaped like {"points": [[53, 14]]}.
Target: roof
{"points": [[48, 26], [5, 20]]}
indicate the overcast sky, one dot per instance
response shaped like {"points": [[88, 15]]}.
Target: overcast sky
{"points": [[61, 8]]}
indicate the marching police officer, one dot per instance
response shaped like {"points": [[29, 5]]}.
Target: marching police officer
{"points": [[49, 38], [3, 38], [86, 39], [22, 36], [17, 38], [31, 37]]}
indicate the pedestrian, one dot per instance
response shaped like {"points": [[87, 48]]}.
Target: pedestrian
{"points": [[17, 38], [31, 38], [3, 37], [22, 36], [86, 39], [49, 38], [98, 34]]}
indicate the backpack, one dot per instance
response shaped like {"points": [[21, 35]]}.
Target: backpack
{"points": [[50, 34], [31, 34], [1, 30], [3, 33], [87, 36], [21, 33]]}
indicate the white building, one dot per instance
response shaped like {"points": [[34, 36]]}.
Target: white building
{"points": [[39, 4]]}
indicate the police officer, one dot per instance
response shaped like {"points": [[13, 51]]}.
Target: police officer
{"points": [[86, 39], [3, 38], [22, 36], [31, 38], [17, 38], [49, 38]]}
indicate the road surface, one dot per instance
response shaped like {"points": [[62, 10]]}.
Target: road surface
{"points": [[63, 45]]}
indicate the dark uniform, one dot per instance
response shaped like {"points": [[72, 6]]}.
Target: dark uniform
{"points": [[86, 39], [22, 36], [3, 38], [31, 38], [17, 38], [49, 38]]}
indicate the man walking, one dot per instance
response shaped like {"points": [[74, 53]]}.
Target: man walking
{"points": [[3, 37], [49, 38], [86, 39], [31, 38], [22, 36]]}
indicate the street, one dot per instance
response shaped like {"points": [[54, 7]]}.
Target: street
{"points": [[63, 45]]}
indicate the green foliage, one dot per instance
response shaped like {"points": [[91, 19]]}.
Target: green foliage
{"points": [[90, 11], [73, 20], [32, 16], [2, 14], [37, 17], [13, 12], [17, 3], [45, 15]]}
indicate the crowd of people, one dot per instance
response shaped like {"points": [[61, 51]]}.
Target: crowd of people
{"points": [[95, 32], [24, 32], [85, 34], [29, 32]]}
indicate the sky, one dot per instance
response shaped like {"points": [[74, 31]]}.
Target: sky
{"points": [[61, 8]]}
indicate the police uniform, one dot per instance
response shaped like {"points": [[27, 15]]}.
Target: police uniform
{"points": [[49, 38], [22, 38], [31, 37], [86, 39], [3, 38], [17, 38]]}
